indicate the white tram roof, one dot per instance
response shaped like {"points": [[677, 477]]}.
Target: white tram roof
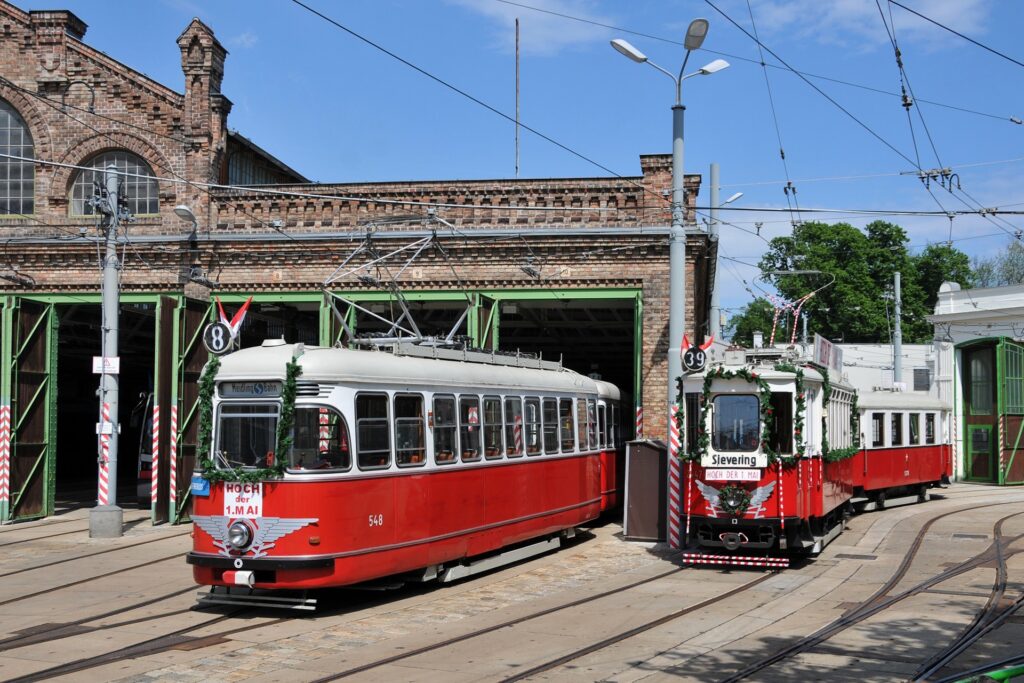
{"points": [[353, 366], [899, 400], [607, 390]]}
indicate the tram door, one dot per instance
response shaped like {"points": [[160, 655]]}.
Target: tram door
{"points": [[28, 410]]}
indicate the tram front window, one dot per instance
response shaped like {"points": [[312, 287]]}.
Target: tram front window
{"points": [[736, 423], [247, 435]]}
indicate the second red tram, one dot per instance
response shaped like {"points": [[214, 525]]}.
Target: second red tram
{"points": [[776, 455], [415, 462]]}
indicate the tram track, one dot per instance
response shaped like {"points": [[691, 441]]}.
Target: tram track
{"points": [[76, 558], [881, 599], [41, 538]]}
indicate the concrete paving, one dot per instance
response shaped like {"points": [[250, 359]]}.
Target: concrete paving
{"points": [[97, 616]]}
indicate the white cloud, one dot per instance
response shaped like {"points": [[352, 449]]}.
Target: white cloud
{"points": [[243, 40], [540, 34], [857, 24]]}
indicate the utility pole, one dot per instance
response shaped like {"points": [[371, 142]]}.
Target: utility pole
{"points": [[897, 335], [106, 520], [716, 311]]}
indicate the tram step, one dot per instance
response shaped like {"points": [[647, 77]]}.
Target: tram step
{"points": [[255, 600], [461, 571]]}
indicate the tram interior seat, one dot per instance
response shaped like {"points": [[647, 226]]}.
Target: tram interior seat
{"points": [[444, 456]]}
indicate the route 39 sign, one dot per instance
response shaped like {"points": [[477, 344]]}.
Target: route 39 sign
{"points": [[694, 359], [217, 338]]}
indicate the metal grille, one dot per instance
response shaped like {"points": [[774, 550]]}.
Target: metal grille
{"points": [[17, 178], [922, 379], [142, 193]]}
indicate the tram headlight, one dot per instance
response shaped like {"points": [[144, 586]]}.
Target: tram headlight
{"points": [[239, 535]]}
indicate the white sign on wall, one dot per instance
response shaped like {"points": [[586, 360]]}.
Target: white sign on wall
{"points": [[828, 355]]}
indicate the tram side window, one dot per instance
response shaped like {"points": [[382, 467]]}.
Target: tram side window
{"points": [[897, 430], [602, 425], [782, 426], [565, 420], [532, 426], [410, 441], [613, 426], [246, 434], [469, 427], [877, 429], [592, 422], [492, 427], [550, 426], [692, 403], [513, 426], [373, 433], [320, 440], [915, 428], [445, 445], [581, 423], [929, 428]]}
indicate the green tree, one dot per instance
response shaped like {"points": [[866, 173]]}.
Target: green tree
{"points": [[858, 305], [938, 263], [1005, 268], [755, 317]]}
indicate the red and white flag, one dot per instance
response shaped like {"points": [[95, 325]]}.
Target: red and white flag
{"points": [[235, 323]]}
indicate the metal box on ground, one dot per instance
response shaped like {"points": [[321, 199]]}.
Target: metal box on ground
{"points": [[644, 509]]}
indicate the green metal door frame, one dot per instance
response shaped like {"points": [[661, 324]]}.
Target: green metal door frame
{"points": [[969, 454], [28, 492], [1003, 378]]}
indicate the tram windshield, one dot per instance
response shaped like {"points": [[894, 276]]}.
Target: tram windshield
{"points": [[247, 434], [735, 423]]}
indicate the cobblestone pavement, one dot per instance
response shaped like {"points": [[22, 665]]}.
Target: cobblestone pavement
{"points": [[354, 628]]}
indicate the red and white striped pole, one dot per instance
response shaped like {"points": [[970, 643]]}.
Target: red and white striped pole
{"points": [[154, 482], [174, 455], [674, 481], [639, 421], [103, 497], [5, 459]]}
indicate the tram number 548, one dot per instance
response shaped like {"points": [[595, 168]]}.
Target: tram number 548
{"points": [[376, 520]]}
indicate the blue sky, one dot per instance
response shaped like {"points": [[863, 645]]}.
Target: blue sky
{"points": [[339, 110]]}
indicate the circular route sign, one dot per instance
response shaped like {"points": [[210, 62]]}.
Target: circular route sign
{"points": [[217, 338], [694, 359]]}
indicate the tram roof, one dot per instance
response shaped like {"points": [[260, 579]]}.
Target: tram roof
{"points": [[607, 390], [382, 368], [899, 400]]}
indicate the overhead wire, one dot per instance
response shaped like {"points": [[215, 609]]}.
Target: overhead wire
{"points": [[789, 189], [741, 58], [957, 33]]}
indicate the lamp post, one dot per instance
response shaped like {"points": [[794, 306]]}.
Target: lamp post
{"points": [[715, 317], [695, 35]]}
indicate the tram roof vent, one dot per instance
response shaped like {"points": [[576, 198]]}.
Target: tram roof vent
{"points": [[273, 342]]}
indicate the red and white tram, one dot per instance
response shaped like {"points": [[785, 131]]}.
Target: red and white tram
{"points": [[776, 455], [404, 462]]}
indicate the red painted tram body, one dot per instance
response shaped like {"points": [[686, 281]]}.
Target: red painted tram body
{"points": [[770, 467], [411, 462]]}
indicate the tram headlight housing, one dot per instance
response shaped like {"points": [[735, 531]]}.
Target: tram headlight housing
{"points": [[239, 535]]}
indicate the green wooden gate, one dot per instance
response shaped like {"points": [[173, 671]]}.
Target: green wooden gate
{"points": [[28, 417], [1010, 373]]}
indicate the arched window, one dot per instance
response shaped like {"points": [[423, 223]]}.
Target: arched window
{"points": [[17, 178], [142, 193]]}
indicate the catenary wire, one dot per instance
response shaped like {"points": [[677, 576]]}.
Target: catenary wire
{"points": [[957, 33]]}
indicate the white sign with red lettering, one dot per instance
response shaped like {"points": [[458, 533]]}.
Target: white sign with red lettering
{"points": [[733, 475], [243, 500]]}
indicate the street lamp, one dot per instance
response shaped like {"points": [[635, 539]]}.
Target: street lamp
{"points": [[185, 213], [695, 35]]}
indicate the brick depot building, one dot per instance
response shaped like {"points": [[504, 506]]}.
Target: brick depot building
{"points": [[575, 268]]}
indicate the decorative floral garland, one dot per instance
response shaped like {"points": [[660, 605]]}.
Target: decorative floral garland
{"points": [[734, 500], [828, 453], [765, 402], [276, 466]]}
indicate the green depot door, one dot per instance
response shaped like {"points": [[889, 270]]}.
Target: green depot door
{"points": [[30, 384], [980, 453]]}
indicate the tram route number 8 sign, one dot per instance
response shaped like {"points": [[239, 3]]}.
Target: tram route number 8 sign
{"points": [[694, 359], [217, 338]]}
